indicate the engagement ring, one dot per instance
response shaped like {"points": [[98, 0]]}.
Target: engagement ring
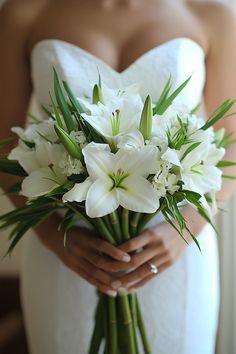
{"points": [[153, 268]]}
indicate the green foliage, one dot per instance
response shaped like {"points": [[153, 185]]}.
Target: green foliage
{"points": [[70, 145], [218, 114], [165, 99], [11, 167], [62, 103]]}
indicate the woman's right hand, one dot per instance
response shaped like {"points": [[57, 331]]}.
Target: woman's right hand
{"points": [[85, 254]]}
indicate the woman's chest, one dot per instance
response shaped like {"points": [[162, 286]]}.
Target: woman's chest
{"points": [[116, 37]]}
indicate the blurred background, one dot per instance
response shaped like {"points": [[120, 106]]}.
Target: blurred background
{"points": [[12, 336]]}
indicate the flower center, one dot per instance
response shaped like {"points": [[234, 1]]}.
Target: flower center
{"points": [[117, 178], [115, 122]]}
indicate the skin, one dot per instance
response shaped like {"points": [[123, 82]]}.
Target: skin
{"points": [[104, 28]]}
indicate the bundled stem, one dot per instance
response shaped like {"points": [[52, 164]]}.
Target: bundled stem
{"points": [[113, 340], [127, 324], [146, 345]]}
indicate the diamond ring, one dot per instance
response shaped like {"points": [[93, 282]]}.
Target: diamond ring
{"points": [[153, 268]]}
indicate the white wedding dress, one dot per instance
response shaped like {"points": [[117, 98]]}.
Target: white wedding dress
{"points": [[180, 305]]}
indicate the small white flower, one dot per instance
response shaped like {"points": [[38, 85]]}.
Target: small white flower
{"points": [[79, 138], [164, 181], [70, 166]]}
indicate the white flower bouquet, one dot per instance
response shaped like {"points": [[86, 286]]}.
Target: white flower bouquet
{"points": [[116, 162]]}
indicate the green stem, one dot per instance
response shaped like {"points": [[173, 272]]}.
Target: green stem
{"points": [[104, 232], [145, 220], [125, 224], [113, 340], [106, 325], [106, 220], [134, 223], [146, 345], [98, 328], [133, 306], [114, 219], [126, 326]]}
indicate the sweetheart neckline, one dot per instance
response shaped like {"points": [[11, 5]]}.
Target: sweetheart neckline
{"points": [[105, 64]]}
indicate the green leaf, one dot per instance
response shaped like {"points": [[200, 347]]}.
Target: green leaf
{"points": [[20, 229], [163, 96], [196, 108], [7, 141], [63, 105], [11, 167], [219, 113], [168, 219], [56, 112], [229, 177], [190, 149], [15, 188], [168, 101], [193, 198], [70, 145], [73, 99], [223, 163], [48, 113]]}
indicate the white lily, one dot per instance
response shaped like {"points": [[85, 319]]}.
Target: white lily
{"points": [[43, 167], [198, 168], [133, 139], [117, 117], [41, 131], [116, 179]]}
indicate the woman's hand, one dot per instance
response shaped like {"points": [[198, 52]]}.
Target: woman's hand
{"points": [[84, 254], [161, 245]]}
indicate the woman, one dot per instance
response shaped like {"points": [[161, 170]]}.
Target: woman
{"points": [[181, 303]]}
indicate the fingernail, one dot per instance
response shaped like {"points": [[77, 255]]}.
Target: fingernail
{"points": [[116, 284], [111, 293], [122, 291], [126, 258]]}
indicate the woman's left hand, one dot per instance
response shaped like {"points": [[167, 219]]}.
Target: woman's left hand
{"points": [[161, 245]]}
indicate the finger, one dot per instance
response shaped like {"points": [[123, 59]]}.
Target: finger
{"points": [[136, 260], [149, 278], [97, 273], [142, 272], [100, 286], [110, 250], [139, 241]]}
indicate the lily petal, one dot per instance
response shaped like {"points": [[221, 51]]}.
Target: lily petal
{"points": [[98, 159], [40, 183], [79, 192], [138, 195], [143, 161], [101, 199]]}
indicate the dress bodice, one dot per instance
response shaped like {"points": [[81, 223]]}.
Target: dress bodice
{"points": [[180, 58]]}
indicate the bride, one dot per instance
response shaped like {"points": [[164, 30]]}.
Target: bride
{"points": [[129, 41]]}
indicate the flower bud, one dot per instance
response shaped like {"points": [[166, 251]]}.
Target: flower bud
{"points": [[70, 145], [146, 119], [97, 94]]}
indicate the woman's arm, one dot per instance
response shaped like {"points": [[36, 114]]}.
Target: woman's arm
{"points": [[15, 83], [84, 252]]}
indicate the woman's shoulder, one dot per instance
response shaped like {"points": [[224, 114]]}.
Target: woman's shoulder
{"points": [[18, 15], [217, 18]]}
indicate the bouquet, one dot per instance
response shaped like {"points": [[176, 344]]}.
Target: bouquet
{"points": [[115, 161]]}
